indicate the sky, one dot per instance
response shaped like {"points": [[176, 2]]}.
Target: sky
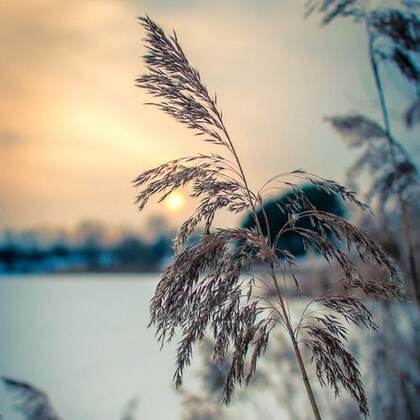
{"points": [[73, 128]]}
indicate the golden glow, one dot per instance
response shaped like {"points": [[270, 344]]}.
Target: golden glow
{"points": [[70, 114], [175, 201]]}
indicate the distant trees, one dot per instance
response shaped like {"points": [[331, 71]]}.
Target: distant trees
{"points": [[393, 35], [92, 247], [92, 238], [132, 252]]}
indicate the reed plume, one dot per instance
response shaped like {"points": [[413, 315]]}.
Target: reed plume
{"points": [[209, 287], [393, 35]]}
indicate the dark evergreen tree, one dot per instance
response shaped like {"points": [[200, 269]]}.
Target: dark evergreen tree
{"points": [[305, 196]]}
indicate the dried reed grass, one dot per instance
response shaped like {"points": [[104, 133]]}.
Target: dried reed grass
{"points": [[206, 287]]}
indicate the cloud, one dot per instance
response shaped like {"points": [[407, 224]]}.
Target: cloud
{"points": [[8, 138], [66, 88]]}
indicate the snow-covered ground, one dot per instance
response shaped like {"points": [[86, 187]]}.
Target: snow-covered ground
{"points": [[84, 339]]}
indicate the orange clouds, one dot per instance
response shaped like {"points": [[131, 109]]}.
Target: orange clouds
{"points": [[66, 92]]}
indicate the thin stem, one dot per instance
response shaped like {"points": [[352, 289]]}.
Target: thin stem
{"points": [[298, 355], [393, 145], [285, 316], [238, 162]]}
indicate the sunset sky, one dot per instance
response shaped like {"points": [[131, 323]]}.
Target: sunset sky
{"points": [[74, 132]]}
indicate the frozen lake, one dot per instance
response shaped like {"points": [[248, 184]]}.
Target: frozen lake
{"points": [[84, 339]]}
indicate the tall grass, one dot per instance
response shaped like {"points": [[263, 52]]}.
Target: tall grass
{"points": [[35, 404], [210, 286], [393, 35], [31, 401]]}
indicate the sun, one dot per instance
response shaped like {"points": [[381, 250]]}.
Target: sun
{"points": [[175, 201]]}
